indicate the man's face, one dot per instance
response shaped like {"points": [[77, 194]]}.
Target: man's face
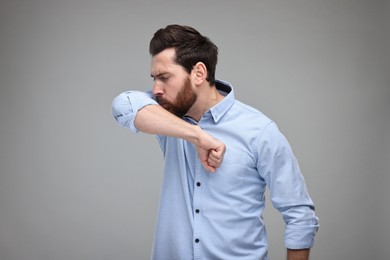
{"points": [[185, 99], [172, 84]]}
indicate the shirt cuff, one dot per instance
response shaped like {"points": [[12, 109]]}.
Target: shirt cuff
{"points": [[300, 237], [126, 105]]}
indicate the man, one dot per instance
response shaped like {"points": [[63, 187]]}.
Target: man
{"points": [[220, 155]]}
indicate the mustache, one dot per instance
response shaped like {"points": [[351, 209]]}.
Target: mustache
{"points": [[165, 104], [161, 101]]}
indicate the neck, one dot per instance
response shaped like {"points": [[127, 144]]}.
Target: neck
{"points": [[207, 97]]}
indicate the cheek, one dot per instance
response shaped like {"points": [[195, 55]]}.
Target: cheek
{"points": [[172, 91]]}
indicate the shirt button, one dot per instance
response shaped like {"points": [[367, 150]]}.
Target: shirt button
{"points": [[198, 184], [197, 240], [197, 211]]}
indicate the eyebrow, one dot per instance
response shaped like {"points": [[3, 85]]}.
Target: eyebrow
{"points": [[159, 75]]}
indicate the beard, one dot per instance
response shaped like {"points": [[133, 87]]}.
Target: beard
{"points": [[184, 101]]}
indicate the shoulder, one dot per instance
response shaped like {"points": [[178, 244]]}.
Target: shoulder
{"points": [[249, 115], [263, 130]]}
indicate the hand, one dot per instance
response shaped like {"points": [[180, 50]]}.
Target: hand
{"points": [[210, 151]]}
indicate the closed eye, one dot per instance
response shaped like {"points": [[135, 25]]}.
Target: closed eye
{"points": [[163, 77]]}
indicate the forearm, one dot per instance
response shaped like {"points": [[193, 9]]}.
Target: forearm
{"points": [[298, 254], [139, 112], [153, 119]]}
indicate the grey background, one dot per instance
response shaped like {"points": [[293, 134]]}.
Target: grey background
{"points": [[74, 185]]}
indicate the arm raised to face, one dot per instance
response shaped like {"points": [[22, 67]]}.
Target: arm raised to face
{"points": [[138, 111]]}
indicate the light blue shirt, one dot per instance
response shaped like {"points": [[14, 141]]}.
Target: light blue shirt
{"points": [[218, 215]]}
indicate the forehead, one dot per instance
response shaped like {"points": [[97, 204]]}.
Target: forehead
{"points": [[163, 62]]}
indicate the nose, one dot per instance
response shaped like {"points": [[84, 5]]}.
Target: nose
{"points": [[157, 89]]}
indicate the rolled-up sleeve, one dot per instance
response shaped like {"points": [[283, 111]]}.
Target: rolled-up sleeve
{"points": [[126, 105], [288, 191]]}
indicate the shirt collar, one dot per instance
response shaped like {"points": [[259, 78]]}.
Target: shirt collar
{"points": [[218, 110]]}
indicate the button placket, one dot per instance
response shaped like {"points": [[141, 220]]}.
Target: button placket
{"points": [[197, 203]]}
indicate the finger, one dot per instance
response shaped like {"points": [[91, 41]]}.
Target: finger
{"points": [[208, 167], [203, 157], [212, 161], [214, 158], [218, 154]]}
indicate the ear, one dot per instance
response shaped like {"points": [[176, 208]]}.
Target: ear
{"points": [[200, 73]]}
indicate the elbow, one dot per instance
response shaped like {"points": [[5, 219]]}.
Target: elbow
{"points": [[122, 110], [126, 105], [121, 105]]}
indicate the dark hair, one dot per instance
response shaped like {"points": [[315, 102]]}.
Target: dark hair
{"points": [[190, 46]]}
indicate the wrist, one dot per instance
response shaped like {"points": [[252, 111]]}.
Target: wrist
{"points": [[298, 254], [193, 134]]}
